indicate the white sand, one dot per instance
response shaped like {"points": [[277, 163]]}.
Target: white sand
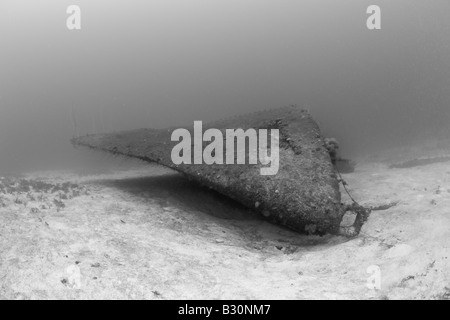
{"points": [[148, 233]]}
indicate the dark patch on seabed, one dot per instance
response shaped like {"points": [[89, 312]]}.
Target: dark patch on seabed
{"points": [[419, 162]]}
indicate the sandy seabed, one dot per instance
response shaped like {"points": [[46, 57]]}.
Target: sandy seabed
{"points": [[148, 233]]}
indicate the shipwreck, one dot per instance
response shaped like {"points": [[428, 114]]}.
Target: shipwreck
{"points": [[302, 195]]}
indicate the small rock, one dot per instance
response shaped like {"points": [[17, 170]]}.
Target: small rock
{"points": [[400, 250]]}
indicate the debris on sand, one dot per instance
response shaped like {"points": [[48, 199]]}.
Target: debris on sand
{"points": [[37, 194]]}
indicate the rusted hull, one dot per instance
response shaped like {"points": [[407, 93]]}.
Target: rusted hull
{"points": [[304, 195]]}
